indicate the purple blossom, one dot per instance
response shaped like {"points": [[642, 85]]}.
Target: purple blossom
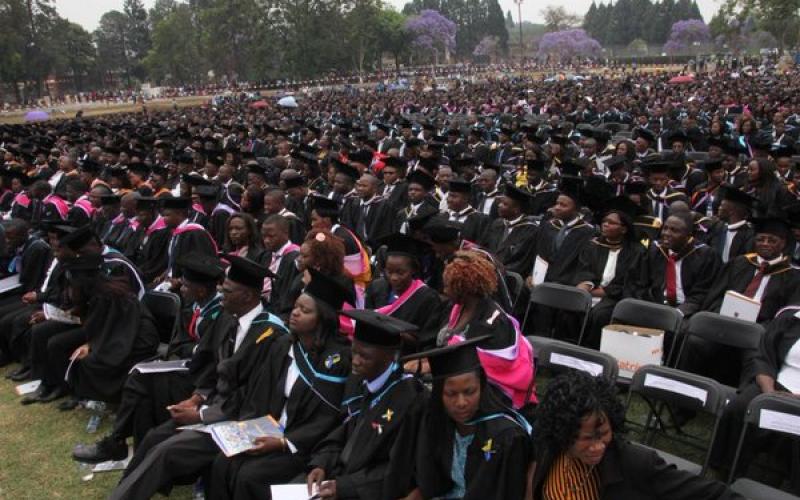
{"points": [[685, 34], [569, 43], [432, 31]]}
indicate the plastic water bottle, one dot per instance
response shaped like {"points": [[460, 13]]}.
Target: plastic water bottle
{"points": [[85, 471], [97, 408], [198, 490]]}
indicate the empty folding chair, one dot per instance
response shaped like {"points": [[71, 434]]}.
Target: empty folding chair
{"points": [[515, 283], [558, 356], [165, 308], [562, 297], [667, 389], [645, 314], [775, 412]]}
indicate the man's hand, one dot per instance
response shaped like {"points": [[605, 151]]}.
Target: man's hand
{"points": [[29, 298], [184, 415], [265, 444], [81, 352], [314, 480], [36, 318], [328, 490]]}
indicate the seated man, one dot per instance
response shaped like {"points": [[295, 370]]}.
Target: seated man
{"points": [[146, 396], [765, 276], [356, 461]]}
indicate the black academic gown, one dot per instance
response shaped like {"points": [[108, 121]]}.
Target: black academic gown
{"points": [[514, 245], [741, 244], [121, 236], [496, 465], [423, 309], [218, 223], [120, 332], [398, 197], [401, 217], [371, 455], [312, 412], [700, 267], [34, 260], [562, 263], [188, 242], [783, 288], [473, 225], [371, 222], [151, 252], [543, 198], [282, 283]]}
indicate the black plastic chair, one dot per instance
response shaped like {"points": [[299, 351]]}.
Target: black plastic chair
{"points": [[166, 309], [668, 389], [563, 297], [515, 283], [645, 314], [778, 405], [754, 490], [557, 356]]}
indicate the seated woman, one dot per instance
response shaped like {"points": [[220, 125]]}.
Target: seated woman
{"points": [[774, 368], [301, 385], [242, 238], [470, 446], [119, 330], [579, 452], [323, 252], [401, 294], [606, 260], [506, 355]]}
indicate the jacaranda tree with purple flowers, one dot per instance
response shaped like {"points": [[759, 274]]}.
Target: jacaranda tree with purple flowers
{"points": [[687, 34], [431, 31], [569, 43]]}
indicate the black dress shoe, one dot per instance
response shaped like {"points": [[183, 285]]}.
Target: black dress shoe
{"points": [[108, 448], [57, 393], [36, 396], [20, 375], [17, 371], [69, 404]]}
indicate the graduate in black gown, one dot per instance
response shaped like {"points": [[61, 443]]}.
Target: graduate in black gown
{"points": [[733, 234], [145, 396], [400, 293], [471, 446], [30, 256], [512, 236], [281, 259], [368, 214], [150, 241], [187, 237], [606, 261], [118, 328], [371, 454], [419, 203], [301, 385], [459, 210], [765, 276], [167, 455]]}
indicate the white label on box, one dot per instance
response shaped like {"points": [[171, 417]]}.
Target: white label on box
{"points": [[779, 421], [671, 385], [594, 369]]}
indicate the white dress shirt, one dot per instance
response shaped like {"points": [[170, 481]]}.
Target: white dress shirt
{"points": [[244, 325]]}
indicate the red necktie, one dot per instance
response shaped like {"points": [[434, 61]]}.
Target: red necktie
{"points": [[755, 283], [193, 324], [671, 279]]}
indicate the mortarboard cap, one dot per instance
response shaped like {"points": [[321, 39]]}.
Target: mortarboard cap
{"points": [[572, 187], [712, 164], [401, 244], [460, 186], [442, 231], [378, 330], [146, 203], [736, 195], [246, 272], [523, 198], [325, 207], [294, 181], [645, 134], [452, 360], [328, 290], [176, 203], [201, 268], [771, 225], [421, 178], [344, 168], [78, 238]]}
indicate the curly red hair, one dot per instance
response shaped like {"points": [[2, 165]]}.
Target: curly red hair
{"points": [[326, 252], [469, 273]]}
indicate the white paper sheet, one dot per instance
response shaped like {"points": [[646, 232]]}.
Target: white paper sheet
{"points": [[736, 305], [778, 421], [28, 387], [54, 313], [289, 492], [595, 369], [671, 385], [539, 270], [9, 284], [176, 365]]}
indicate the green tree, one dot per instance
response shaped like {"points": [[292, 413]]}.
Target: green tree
{"points": [[160, 10], [75, 54], [176, 56], [113, 46], [556, 18], [392, 36]]}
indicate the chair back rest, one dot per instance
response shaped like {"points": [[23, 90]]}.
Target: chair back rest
{"points": [[637, 312], [558, 355], [775, 412], [725, 330], [678, 388], [165, 308], [515, 283], [567, 298]]}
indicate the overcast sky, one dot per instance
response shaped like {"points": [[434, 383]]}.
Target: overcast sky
{"points": [[87, 12]]}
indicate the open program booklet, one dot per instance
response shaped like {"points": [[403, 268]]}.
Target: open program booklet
{"points": [[236, 437]]}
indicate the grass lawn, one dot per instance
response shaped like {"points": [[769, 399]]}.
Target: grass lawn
{"points": [[35, 451]]}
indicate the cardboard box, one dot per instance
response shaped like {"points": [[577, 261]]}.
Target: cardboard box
{"points": [[632, 346]]}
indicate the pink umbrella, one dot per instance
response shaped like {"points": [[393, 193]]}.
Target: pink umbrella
{"points": [[259, 104], [682, 79], [36, 115]]}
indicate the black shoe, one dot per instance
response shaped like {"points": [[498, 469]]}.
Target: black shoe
{"points": [[57, 393], [4, 360], [108, 448], [20, 375], [36, 396], [69, 404]]}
